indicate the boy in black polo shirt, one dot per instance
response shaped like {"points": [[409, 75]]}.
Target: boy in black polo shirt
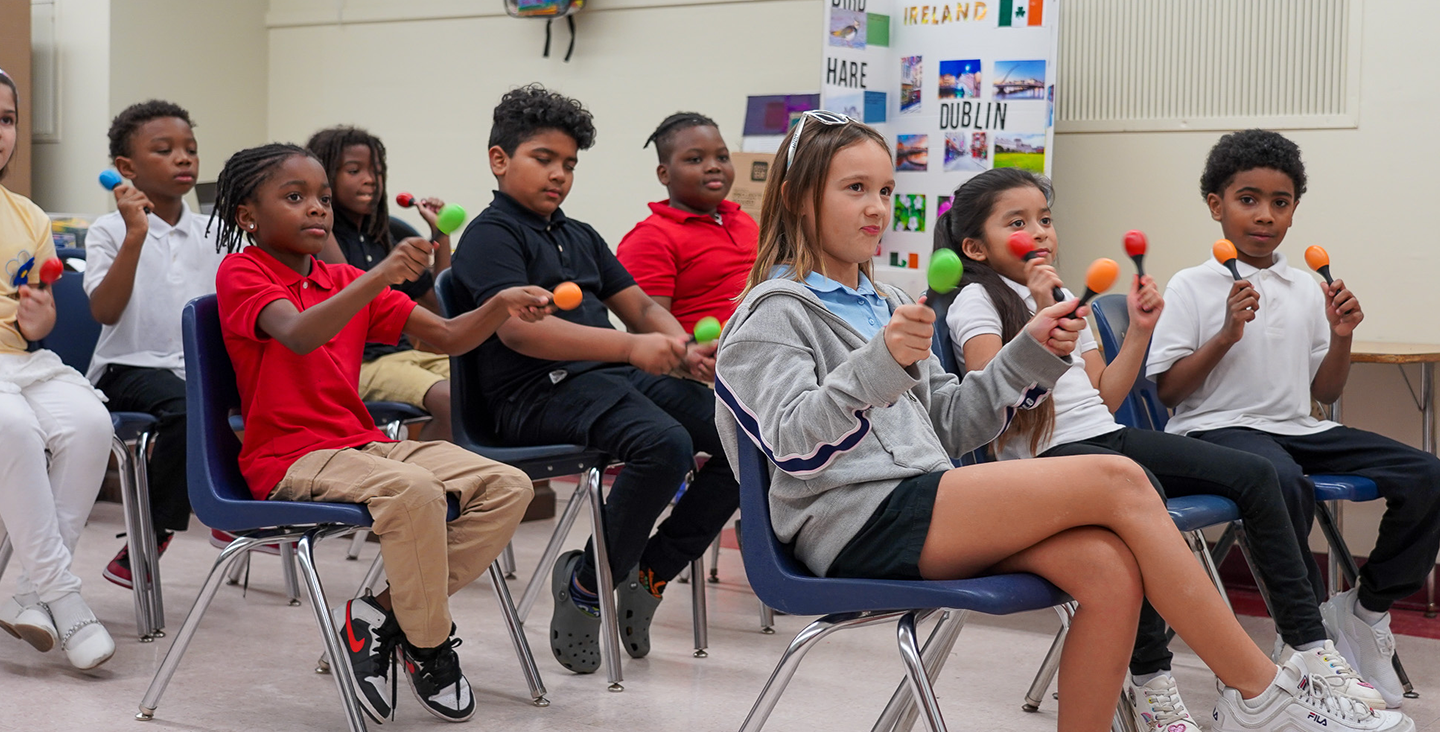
{"points": [[575, 379]]}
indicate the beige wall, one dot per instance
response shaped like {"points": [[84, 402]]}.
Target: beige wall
{"points": [[1370, 192], [64, 175]]}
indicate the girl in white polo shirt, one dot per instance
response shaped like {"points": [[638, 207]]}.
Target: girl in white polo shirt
{"points": [[999, 293]]}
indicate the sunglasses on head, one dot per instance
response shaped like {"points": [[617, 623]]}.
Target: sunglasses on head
{"points": [[819, 115]]}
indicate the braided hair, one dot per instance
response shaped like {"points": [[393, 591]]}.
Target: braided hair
{"points": [[244, 172], [329, 146], [664, 135]]}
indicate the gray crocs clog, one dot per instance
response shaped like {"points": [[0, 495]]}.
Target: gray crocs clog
{"points": [[636, 608], [574, 634]]}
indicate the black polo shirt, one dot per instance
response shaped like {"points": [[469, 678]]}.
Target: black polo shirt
{"points": [[365, 252], [509, 245]]}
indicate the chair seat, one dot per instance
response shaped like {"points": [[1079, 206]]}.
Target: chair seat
{"points": [[251, 515], [997, 595], [1191, 513], [1344, 488], [129, 425], [383, 412], [539, 461]]}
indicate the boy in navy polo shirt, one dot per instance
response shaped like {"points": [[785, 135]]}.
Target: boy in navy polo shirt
{"points": [[1240, 361], [573, 378], [693, 253]]}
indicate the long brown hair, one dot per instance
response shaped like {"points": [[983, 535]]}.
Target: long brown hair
{"points": [[971, 206], [786, 237]]}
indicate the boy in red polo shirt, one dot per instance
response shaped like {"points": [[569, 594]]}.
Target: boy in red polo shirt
{"points": [[693, 253], [295, 329]]}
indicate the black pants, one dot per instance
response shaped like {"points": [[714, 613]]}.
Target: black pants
{"points": [[656, 426], [1179, 466], [160, 393], [1408, 479]]}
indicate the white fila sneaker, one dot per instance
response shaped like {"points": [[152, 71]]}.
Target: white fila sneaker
{"points": [[1298, 701]]}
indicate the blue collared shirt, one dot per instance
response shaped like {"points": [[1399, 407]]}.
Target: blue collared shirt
{"points": [[863, 308]]}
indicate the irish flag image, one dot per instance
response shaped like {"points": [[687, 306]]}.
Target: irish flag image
{"points": [[1020, 13]]}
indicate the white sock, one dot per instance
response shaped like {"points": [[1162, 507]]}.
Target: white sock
{"points": [[1273, 681], [1144, 679], [1370, 617], [1311, 646]]}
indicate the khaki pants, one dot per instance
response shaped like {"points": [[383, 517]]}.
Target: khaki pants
{"points": [[404, 484]]}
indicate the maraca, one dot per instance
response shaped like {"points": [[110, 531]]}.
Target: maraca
{"points": [[404, 200], [1319, 260], [447, 220], [1135, 246], [1099, 277], [1225, 254], [707, 329], [945, 271], [1022, 245], [50, 271], [567, 296], [109, 179]]}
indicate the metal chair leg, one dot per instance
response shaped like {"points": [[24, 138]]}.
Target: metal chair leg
{"points": [[306, 554], [356, 544], [150, 573], [915, 671], [900, 713], [287, 568], [5, 551], [372, 577], [232, 577], [715, 560], [1048, 667], [541, 577], [609, 627], [1202, 552], [507, 561], [698, 610], [517, 637], [767, 619], [129, 501], [790, 660], [228, 556]]}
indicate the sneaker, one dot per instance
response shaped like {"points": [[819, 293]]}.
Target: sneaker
{"points": [[221, 539], [26, 618], [1370, 648], [1158, 707], [1328, 665], [638, 598], [1297, 700], [370, 635], [574, 633], [118, 570], [85, 641], [437, 681]]}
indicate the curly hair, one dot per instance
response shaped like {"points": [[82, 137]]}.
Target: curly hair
{"points": [[1238, 152], [123, 127], [243, 173], [525, 112], [664, 135], [328, 145]]}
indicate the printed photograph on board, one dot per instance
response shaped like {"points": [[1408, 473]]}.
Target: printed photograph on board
{"points": [[960, 79], [912, 152], [909, 212], [967, 152], [847, 28], [1019, 79], [911, 88], [1026, 151]]}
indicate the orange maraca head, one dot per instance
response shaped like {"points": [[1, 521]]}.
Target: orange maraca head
{"points": [[1224, 251], [1102, 275], [1317, 257]]}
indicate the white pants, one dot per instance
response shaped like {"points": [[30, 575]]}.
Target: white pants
{"points": [[44, 507]]}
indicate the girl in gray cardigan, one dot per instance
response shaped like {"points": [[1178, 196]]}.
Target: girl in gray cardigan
{"points": [[831, 375]]}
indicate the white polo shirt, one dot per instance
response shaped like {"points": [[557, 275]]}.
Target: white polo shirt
{"points": [[1080, 413], [1263, 382], [177, 264]]}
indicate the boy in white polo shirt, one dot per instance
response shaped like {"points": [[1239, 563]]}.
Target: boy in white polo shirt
{"points": [[1239, 361], [142, 264]]}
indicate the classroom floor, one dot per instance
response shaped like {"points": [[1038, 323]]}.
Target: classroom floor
{"points": [[250, 666]]}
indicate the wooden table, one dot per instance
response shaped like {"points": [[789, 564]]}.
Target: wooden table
{"points": [[1400, 354]]}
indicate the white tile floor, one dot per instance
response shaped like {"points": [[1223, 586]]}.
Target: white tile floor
{"points": [[250, 667]]}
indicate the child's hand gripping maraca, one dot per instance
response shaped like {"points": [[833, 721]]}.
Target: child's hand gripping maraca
{"points": [[444, 218], [1342, 309], [910, 330], [1136, 246], [1022, 245], [128, 199], [35, 313], [1244, 299]]}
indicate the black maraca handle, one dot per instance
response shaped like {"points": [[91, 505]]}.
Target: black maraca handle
{"points": [[1139, 268], [1234, 270], [1058, 294], [1325, 272], [1084, 299]]}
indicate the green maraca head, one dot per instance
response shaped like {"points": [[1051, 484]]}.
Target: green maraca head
{"points": [[707, 329], [450, 218], [945, 271]]}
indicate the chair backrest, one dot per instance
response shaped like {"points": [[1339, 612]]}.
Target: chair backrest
{"points": [[1142, 408], [212, 450], [940, 341], [472, 423], [769, 565], [76, 331]]}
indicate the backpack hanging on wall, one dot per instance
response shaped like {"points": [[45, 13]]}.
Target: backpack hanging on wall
{"points": [[549, 10]]}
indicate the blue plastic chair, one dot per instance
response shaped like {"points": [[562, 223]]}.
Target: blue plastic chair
{"points": [[73, 340], [783, 583]]}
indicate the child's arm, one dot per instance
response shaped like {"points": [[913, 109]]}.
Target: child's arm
{"points": [[111, 294], [1342, 310], [1189, 373], [303, 332], [464, 332], [430, 211], [1115, 381]]}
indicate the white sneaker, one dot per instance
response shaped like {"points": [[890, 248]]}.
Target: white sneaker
{"points": [[1370, 648], [1327, 664], [26, 618], [86, 642], [1157, 706], [1300, 702]]}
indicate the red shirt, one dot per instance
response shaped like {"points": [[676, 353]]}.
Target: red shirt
{"points": [[292, 404], [698, 263]]}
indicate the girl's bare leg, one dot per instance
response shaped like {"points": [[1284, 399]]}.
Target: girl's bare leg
{"points": [[987, 513], [1095, 567]]}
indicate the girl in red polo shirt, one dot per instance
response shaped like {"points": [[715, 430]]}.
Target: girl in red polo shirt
{"points": [[694, 251]]}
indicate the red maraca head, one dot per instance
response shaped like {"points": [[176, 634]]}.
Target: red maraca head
{"points": [[1021, 243], [405, 200], [51, 270], [1135, 243]]}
